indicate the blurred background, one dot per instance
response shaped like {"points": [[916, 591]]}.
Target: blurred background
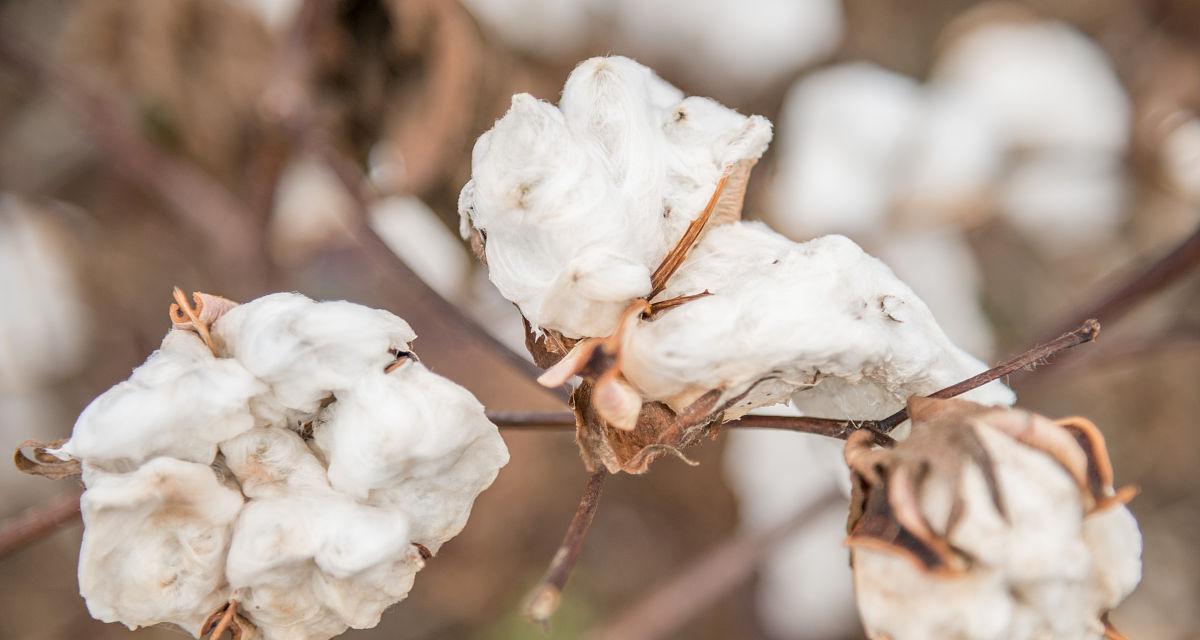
{"points": [[1013, 162]]}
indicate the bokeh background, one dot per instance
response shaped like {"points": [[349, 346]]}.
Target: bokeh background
{"points": [[1012, 161]]}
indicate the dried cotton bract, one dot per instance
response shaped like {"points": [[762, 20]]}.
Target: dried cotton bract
{"points": [[306, 471], [990, 524]]}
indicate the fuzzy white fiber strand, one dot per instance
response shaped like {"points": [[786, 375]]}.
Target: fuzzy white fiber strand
{"points": [[580, 202], [154, 543], [310, 537], [304, 350], [180, 403], [387, 444], [1048, 570], [820, 322]]}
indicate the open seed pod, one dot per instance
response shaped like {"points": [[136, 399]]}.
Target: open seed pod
{"points": [[612, 222], [280, 468], [989, 523]]}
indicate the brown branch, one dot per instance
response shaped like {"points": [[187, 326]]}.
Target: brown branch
{"points": [[544, 599], [1027, 360], [718, 571], [37, 522], [1150, 280]]}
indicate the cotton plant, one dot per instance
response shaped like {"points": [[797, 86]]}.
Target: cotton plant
{"points": [[283, 467], [586, 214], [990, 523]]}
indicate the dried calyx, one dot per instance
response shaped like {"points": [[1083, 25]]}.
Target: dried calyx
{"points": [[280, 469], [989, 523], [612, 222]]}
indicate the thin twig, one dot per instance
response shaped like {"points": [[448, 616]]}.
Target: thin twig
{"points": [[716, 572], [1029, 359], [37, 522], [544, 599], [1150, 280]]}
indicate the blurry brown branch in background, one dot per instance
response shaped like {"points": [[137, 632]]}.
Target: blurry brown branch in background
{"points": [[721, 569], [196, 200], [544, 599], [38, 522], [1155, 277]]}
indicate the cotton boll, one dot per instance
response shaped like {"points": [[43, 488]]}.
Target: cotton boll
{"points": [[807, 315], [180, 403], [1043, 83], [415, 442], [296, 561], [43, 335], [413, 231], [577, 206], [305, 350], [1001, 499], [744, 45], [843, 133], [276, 14], [1065, 202], [154, 543]]}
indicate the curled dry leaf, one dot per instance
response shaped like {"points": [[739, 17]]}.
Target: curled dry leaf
{"points": [[989, 523]]}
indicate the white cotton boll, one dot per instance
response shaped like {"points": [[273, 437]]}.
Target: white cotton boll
{"points": [[578, 206], [43, 333], [296, 563], [154, 543], [415, 233], [941, 268], [1053, 568], [312, 209], [415, 442], [181, 402], [305, 350], [746, 45], [1044, 83], [843, 133], [819, 318], [1065, 202]]}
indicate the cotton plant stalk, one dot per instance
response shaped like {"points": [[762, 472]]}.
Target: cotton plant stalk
{"points": [[282, 467], [612, 221], [990, 523]]}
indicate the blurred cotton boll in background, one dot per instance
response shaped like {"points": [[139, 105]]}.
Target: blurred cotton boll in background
{"points": [[713, 45], [805, 587]]}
